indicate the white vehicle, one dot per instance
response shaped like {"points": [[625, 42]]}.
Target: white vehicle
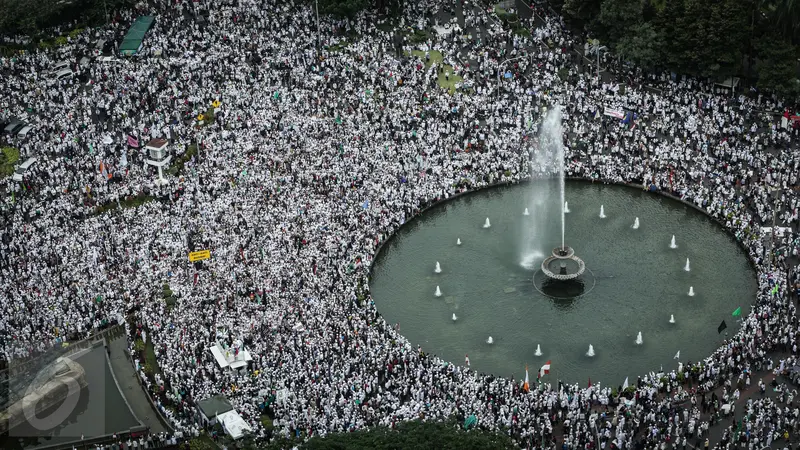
{"points": [[60, 66], [64, 74], [25, 130]]}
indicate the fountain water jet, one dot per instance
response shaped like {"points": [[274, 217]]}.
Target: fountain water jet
{"points": [[438, 292], [454, 317], [438, 268], [672, 243], [687, 267], [458, 241], [639, 340], [636, 224], [566, 207], [602, 212], [487, 224], [547, 161], [538, 350], [691, 288], [671, 318], [490, 341], [590, 353], [526, 213]]}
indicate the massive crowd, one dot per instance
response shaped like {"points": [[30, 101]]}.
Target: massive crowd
{"points": [[310, 162]]}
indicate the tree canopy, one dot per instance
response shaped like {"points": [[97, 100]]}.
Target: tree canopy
{"points": [[705, 38], [408, 436]]}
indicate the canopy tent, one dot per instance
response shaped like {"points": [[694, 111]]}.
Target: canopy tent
{"points": [[233, 424], [229, 358], [133, 40]]}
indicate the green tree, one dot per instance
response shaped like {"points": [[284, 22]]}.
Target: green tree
{"points": [[668, 24], [641, 45], [579, 13], [785, 16], [776, 64], [617, 18], [342, 8], [407, 436]]}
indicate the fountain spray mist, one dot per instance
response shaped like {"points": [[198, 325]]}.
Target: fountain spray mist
{"points": [[547, 162]]}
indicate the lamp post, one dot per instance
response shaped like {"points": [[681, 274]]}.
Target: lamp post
{"points": [[772, 237], [316, 7], [499, 70], [596, 48]]}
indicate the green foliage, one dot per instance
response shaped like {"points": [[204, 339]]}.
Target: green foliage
{"points": [[266, 422], [202, 442], [8, 158], [581, 12], [151, 363], [168, 296], [641, 46], [128, 202], [34, 17], [180, 162], [342, 8], [563, 73], [407, 435], [704, 38], [138, 346], [418, 36], [776, 67]]}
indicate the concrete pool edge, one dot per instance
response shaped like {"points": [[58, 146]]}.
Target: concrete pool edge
{"points": [[741, 244]]}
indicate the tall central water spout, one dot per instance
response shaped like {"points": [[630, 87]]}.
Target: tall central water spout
{"points": [[547, 162], [551, 147]]}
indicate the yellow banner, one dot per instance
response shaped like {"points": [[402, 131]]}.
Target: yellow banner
{"points": [[199, 256]]}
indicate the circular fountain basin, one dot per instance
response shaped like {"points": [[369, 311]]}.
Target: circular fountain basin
{"points": [[633, 281]]}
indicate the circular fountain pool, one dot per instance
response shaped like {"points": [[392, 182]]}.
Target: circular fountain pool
{"points": [[637, 282]]}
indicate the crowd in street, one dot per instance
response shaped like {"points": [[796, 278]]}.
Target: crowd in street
{"points": [[310, 161]]}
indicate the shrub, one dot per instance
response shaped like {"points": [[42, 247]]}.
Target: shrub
{"points": [[8, 158]]}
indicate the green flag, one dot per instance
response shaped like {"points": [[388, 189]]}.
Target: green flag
{"points": [[470, 421], [338, 120], [775, 289], [737, 312]]}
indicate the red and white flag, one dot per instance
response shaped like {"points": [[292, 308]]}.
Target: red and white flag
{"points": [[545, 369]]}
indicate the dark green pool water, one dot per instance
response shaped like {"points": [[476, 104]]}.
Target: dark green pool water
{"points": [[639, 281]]}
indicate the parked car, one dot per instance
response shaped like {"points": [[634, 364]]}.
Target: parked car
{"points": [[14, 126], [24, 130]]}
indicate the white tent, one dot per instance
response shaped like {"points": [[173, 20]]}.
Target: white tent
{"points": [[233, 424], [225, 358]]}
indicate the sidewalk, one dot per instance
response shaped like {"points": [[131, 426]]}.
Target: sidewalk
{"points": [[130, 388]]}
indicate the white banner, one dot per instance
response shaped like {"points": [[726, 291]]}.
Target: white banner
{"points": [[614, 113]]}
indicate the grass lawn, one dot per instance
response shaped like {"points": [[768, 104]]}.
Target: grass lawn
{"points": [[450, 84], [437, 58], [150, 357], [132, 202], [335, 48], [8, 158]]}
